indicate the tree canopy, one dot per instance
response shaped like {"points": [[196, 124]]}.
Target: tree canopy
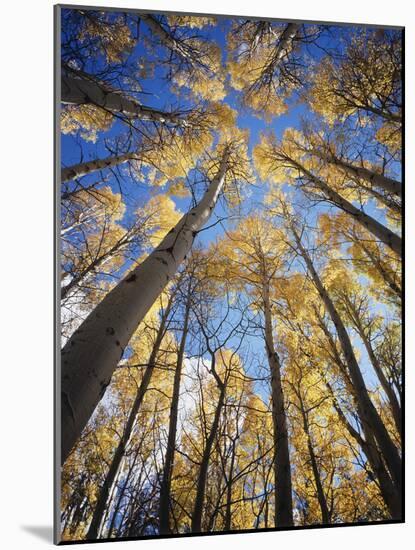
{"points": [[230, 246]]}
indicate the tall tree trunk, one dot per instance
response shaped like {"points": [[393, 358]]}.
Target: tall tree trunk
{"points": [[387, 388], [384, 113], [378, 180], [229, 485], [387, 277], [169, 41], [282, 466], [287, 37], [86, 89], [355, 318], [270, 66], [369, 414], [390, 495], [204, 465], [381, 232], [120, 495], [325, 514], [100, 506], [93, 351], [165, 487], [83, 168], [391, 204]]}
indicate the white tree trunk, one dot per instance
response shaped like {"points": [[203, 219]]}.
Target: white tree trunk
{"points": [[83, 168], [287, 37], [387, 184], [385, 235], [282, 464], [166, 479], [169, 41], [108, 484], [94, 350], [84, 89], [367, 411]]}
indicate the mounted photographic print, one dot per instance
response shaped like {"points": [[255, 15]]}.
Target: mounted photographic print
{"points": [[228, 204]]}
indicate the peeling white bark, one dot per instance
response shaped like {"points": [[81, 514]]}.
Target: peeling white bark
{"points": [[84, 168], [287, 37], [282, 49], [168, 40], [94, 350], [385, 235], [81, 90], [378, 180]]}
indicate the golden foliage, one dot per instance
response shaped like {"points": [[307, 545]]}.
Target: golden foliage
{"points": [[191, 21], [255, 67], [114, 36], [367, 75], [87, 119], [161, 215]]}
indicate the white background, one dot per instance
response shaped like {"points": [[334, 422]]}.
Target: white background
{"points": [[26, 253]]}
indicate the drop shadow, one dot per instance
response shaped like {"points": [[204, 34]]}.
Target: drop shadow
{"points": [[43, 532]]}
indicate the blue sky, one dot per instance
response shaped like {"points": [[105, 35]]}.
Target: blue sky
{"points": [[157, 94]]}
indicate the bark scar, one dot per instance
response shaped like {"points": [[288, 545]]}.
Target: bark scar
{"points": [[162, 260]]}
